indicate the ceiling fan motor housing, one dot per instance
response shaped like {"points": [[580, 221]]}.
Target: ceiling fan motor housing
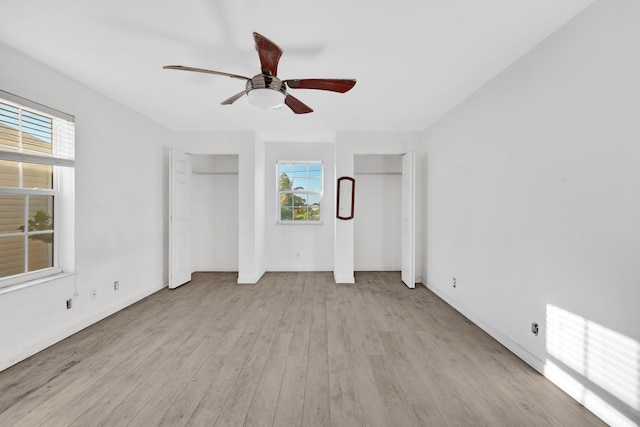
{"points": [[263, 81]]}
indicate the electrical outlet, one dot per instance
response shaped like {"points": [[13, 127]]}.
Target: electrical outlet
{"points": [[454, 281], [94, 292], [116, 285], [69, 303], [535, 328]]}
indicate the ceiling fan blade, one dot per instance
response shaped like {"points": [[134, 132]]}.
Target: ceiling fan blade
{"points": [[334, 85], [296, 105], [269, 54], [202, 70], [233, 99]]}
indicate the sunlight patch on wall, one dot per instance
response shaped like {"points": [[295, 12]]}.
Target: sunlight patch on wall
{"points": [[607, 359], [574, 388]]}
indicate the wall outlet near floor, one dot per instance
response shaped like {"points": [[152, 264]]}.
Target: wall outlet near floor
{"points": [[94, 292], [535, 328], [69, 303], [116, 285], [453, 282]]}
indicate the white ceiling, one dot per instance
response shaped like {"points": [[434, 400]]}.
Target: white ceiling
{"points": [[414, 60]]}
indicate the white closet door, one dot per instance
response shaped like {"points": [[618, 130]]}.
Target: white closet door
{"points": [[408, 219], [179, 238]]}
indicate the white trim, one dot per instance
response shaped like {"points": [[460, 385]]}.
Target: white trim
{"points": [[36, 106], [375, 268], [49, 276], [48, 341], [29, 191], [279, 192], [63, 145], [214, 173], [513, 346], [35, 158], [377, 173], [31, 276], [343, 280], [249, 281], [300, 222], [598, 407], [62, 134]]}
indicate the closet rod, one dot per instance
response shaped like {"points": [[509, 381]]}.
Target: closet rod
{"points": [[214, 173]]}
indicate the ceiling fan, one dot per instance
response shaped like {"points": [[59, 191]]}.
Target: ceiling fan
{"points": [[266, 90]]}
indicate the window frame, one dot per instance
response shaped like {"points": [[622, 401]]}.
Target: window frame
{"points": [[279, 193], [61, 228]]}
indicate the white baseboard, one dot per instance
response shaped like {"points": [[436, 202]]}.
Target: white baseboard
{"points": [[343, 279], [43, 343], [598, 406], [513, 346], [206, 269], [249, 280]]}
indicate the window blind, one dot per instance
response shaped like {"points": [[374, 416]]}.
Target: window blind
{"points": [[33, 133]]}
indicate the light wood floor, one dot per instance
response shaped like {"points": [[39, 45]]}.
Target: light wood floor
{"points": [[295, 349]]}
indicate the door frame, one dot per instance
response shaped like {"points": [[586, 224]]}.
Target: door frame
{"points": [[408, 261]]}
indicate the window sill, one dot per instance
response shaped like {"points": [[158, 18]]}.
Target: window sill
{"points": [[299, 223], [35, 282]]}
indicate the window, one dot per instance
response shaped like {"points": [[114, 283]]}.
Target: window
{"points": [[299, 192], [36, 154]]}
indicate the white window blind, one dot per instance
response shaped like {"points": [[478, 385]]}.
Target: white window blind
{"points": [[23, 121]]}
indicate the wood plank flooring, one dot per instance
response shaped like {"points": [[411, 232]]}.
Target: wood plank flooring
{"points": [[293, 350]]}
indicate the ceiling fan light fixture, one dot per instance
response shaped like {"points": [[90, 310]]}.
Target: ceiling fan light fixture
{"points": [[265, 98]]}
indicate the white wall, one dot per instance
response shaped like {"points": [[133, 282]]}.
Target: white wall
{"points": [[299, 247], [378, 222], [214, 212], [533, 204], [348, 145], [120, 213]]}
